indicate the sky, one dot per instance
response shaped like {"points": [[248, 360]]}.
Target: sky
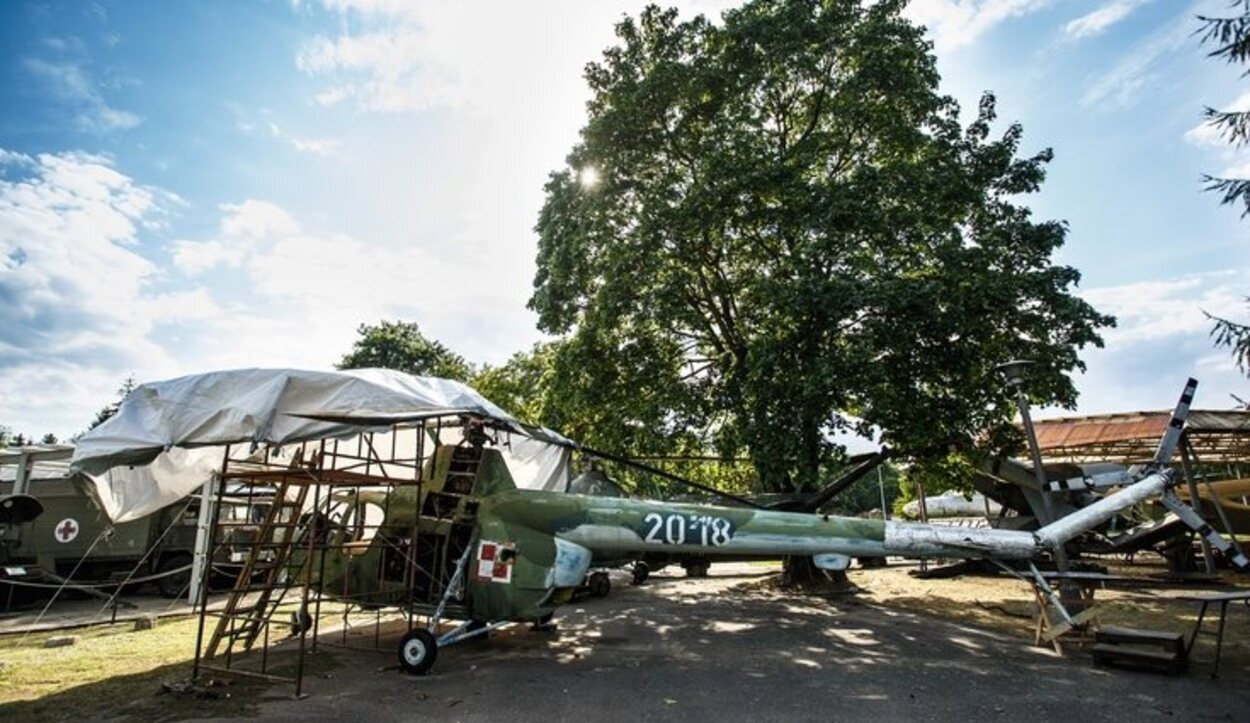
{"points": [[206, 185]]}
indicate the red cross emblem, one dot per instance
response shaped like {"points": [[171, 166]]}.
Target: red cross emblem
{"points": [[66, 530]]}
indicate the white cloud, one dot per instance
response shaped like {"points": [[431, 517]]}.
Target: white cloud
{"points": [[1099, 20], [78, 297], [243, 226], [959, 23], [1238, 169], [70, 82], [1151, 310], [1137, 69], [1163, 338], [196, 257], [317, 146], [258, 220]]}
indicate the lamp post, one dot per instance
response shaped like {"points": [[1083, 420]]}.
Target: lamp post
{"points": [[1014, 372]]}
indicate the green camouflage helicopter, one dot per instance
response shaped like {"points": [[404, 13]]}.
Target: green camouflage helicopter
{"points": [[515, 555]]}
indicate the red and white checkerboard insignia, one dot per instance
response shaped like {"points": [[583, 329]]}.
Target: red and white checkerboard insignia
{"points": [[492, 563]]}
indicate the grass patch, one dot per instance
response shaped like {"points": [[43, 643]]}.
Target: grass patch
{"points": [[116, 671]]}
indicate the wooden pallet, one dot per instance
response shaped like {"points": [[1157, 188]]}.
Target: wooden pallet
{"points": [[1141, 649]]}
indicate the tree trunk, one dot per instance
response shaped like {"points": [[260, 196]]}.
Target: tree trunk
{"points": [[800, 572]]}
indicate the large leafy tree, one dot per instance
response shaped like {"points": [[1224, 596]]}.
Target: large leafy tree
{"points": [[775, 228], [1230, 36], [401, 345]]}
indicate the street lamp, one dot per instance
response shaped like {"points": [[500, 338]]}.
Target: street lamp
{"points": [[1014, 372]]}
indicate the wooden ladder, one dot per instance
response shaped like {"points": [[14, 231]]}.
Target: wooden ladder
{"points": [[241, 621]]}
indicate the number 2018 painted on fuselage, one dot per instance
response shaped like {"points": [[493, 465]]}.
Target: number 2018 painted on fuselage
{"points": [[679, 529]]}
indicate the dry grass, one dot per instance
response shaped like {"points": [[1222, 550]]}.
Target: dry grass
{"points": [[1006, 604]]}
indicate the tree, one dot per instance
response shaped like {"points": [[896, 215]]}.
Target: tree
{"points": [[401, 345], [1231, 37], [111, 408], [49, 438], [776, 228], [604, 394]]}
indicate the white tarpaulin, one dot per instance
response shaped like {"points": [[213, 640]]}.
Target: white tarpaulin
{"points": [[164, 442]]}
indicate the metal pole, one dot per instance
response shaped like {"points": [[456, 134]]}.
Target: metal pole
{"points": [[199, 556], [1035, 452], [885, 513], [1208, 560], [1046, 513], [21, 483]]}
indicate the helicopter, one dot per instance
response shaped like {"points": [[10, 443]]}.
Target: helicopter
{"points": [[487, 552], [523, 552]]}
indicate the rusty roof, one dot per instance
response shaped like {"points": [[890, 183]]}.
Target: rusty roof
{"points": [[1216, 435]]}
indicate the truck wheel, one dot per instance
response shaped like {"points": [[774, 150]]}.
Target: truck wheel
{"points": [[600, 584], [174, 585], [417, 651], [697, 568], [641, 572]]}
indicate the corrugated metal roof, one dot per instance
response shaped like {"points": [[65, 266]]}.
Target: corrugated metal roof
{"points": [[1217, 435]]}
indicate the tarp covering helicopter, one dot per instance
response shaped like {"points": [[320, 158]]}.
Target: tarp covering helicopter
{"points": [[517, 554]]}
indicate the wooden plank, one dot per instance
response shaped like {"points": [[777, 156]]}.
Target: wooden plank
{"points": [[1161, 638]]}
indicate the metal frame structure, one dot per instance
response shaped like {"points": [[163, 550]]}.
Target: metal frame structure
{"points": [[316, 512], [1219, 436]]}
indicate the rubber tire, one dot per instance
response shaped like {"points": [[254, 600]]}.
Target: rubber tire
{"points": [[301, 622], [417, 651], [697, 569], [600, 584], [641, 572], [174, 586]]}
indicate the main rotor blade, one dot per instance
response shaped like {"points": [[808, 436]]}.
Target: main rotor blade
{"points": [[667, 475], [381, 420], [1172, 435]]}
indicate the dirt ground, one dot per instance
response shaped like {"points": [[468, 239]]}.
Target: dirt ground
{"points": [[724, 648]]}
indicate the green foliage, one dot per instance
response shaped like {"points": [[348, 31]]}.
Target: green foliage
{"points": [[561, 385], [111, 408], [938, 474], [790, 235], [865, 494], [1231, 37], [401, 345], [1235, 337]]}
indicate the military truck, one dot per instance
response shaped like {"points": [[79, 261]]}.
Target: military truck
{"points": [[52, 529]]}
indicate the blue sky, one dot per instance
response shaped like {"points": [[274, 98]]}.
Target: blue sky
{"points": [[202, 185]]}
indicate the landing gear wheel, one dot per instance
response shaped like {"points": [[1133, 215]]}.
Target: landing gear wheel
{"points": [[173, 585], [600, 584], [301, 622], [417, 651], [641, 572], [545, 624]]}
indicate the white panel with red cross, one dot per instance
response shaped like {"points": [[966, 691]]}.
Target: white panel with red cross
{"points": [[494, 561]]}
